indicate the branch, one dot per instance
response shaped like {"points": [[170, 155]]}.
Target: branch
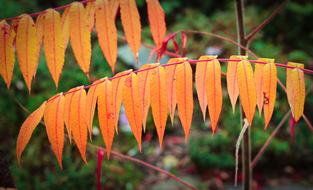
{"points": [[252, 34]]}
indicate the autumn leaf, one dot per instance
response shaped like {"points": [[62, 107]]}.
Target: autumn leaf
{"points": [[53, 44], [247, 91], [131, 24], [40, 30], [80, 36], [157, 21], [65, 26], [183, 78], [90, 14], [7, 57], [53, 118], [214, 90], [78, 120], [259, 77], [27, 48], [159, 100], [27, 130], [133, 110], [118, 84], [269, 89], [231, 79], [107, 33], [201, 82], [295, 87], [106, 113], [144, 90]]}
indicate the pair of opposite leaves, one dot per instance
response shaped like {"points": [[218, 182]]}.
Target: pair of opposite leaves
{"points": [[76, 23], [157, 86]]}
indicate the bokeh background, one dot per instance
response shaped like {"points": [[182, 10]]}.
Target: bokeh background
{"points": [[206, 161]]}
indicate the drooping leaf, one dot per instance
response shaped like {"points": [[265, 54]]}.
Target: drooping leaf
{"points": [[7, 57], [157, 21], [27, 129], [27, 48], [80, 36], [118, 84], [40, 29], [133, 110], [53, 118], [269, 89], [144, 90], [65, 25], [184, 96], [131, 24], [259, 77], [247, 91], [159, 100], [214, 91], [53, 44], [107, 33], [171, 86], [295, 87], [106, 113], [90, 14], [114, 6], [201, 82]]}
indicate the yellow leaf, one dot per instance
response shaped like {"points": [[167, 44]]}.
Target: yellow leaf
{"points": [[27, 130], [65, 26], [80, 36], [53, 44], [131, 24], [118, 84], [157, 21], [107, 33], [53, 118], [184, 94], [106, 113], [40, 29], [201, 82], [133, 110], [27, 48], [159, 100], [144, 90], [269, 89], [231, 78], [259, 77], [7, 57], [214, 91], [90, 14], [247, 91], [296, 89]]}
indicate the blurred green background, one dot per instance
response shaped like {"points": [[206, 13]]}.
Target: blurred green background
{"points": [[206, 161]]}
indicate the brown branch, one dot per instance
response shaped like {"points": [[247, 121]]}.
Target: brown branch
{"points": [[268, 141], [257, 29]]}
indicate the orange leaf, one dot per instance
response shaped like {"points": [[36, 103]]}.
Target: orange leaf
{"points": [[80, 36], [65, 26], [90, 14], [53, 118], [259, 77], [201, 82], [78, 120], [171, 86], [53, 44], [132, 106], [91, 99], [107, 33], [114, 6], [27, 130], [40, 29], [231, 78], [296, 90], [131, 24], [144, 90], [214, 90], [269, 89], [185, 99], [157, 21], [106, 113], [117, 88], [247, 91], [7, 57], [159, 100], [27, 48]]}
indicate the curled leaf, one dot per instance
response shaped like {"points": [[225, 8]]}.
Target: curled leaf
{"points": [[65, 26]]}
